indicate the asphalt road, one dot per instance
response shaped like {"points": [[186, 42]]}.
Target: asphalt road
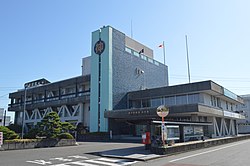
{"points": [[65, 156], [233, 154]]}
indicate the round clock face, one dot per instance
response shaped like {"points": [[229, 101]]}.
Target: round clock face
{"points": [[99, 47], [162, 111]]}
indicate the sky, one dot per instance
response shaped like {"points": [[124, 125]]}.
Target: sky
{"points": [[48, 38]]}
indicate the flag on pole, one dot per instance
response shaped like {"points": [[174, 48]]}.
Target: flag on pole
{"points": [[142, 51], [161, 45]]}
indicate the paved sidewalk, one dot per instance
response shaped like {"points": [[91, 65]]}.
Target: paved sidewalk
{"points": [[139, 153], [135, 153]]}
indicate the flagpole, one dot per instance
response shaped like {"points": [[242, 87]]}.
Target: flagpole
{"points": [[187, 59], [164, 54], [131, 29]]}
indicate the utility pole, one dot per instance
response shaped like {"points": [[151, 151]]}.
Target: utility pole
{"points": [[24, 109], [4, 118], [187, 59]]}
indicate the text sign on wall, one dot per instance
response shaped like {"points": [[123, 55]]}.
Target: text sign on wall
{"points": [[1, 138]]}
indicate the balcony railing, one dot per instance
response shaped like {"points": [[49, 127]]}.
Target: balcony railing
{"points": [[69, 96]]}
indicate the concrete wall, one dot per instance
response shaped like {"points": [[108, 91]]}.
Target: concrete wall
{"points": [[243, 128], [38, 144], [125, 76], [197, 145], [86, 66], [245, 109]]}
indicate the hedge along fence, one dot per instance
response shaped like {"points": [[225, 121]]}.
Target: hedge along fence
{"points": [[36, 143]]}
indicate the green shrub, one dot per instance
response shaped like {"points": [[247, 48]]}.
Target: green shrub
{"points": [[32, 134], [15, 127], [8, 134], [65, 136], [21, 140]]}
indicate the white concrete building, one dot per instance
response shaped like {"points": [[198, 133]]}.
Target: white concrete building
{"points": [[244, 109]]}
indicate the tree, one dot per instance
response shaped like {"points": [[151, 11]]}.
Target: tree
{"points": [[50, 125], [33, 132], [67, 127], [7, 133], [15, 127]]}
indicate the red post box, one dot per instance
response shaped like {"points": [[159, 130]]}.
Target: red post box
{"points": [[146, 138]]}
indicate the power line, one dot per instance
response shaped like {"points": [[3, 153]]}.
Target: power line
{"points": [[212, 77], [4, 95]]}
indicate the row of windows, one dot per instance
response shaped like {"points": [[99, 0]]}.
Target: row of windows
{"points": [[135, 53], [216, 102], [51, 95], [179, 100], [168, 100]]}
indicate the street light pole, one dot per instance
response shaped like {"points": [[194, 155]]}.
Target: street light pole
{"points": [[24, 108]]}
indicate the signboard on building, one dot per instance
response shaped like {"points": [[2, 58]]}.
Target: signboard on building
{"points": [[1, 138], [99, 47], [36, 83], [231, 114]]}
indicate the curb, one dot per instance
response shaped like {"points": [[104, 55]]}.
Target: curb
{"points": [[131, 158]]}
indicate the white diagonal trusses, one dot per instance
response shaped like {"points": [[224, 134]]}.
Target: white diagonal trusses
{"points": [[69, 113], [225, 129]]}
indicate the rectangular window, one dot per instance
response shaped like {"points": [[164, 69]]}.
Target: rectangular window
{"points": [[135, 104], [214, 99], [156, 63], [193, 98], [128, 50], [156, 102], [218, 103], [182, 99], [146, 103], [144, 57], [150, 60], [136, 53], [170, 100]]}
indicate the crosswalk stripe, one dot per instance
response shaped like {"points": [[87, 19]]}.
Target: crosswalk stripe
{"points": [[101, 162], [82, 164], [109, 160], [118, 161]]}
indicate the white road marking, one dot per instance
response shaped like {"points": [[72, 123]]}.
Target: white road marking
{"points": [[78, 157], [206, 152], [62, 164], [109, 160], [40, 162], [81, 163], [102, 162], [118, 161], [61, 159]]}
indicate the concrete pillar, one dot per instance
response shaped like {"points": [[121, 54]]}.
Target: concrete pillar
{"points": [[210, 128]]}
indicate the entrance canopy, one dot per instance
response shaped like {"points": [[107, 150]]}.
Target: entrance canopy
{"points": [[184, 123]]}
